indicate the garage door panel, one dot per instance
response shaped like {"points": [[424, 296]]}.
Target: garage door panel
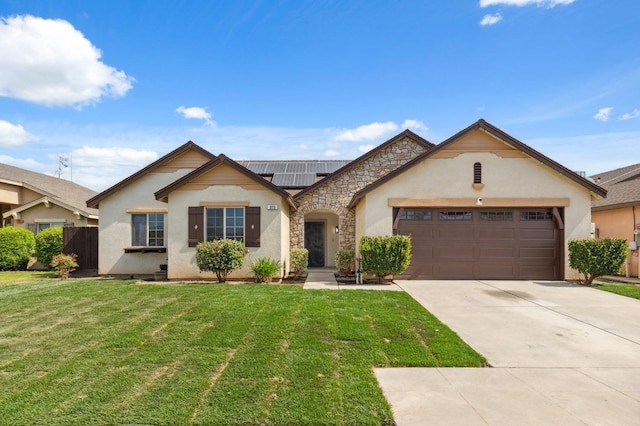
{"points": [[485, 247]]}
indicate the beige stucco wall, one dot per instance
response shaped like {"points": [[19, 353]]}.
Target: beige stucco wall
{"points": [[115, 226], [516, 178], [55, 213], [273, 223], [619, 223]]}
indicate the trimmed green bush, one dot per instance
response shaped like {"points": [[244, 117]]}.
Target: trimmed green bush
{"points": [[388, 255], [595, 258], [299, 259], [16, 248], [345, 260], [220, 256], [265, 269], [48, 244]]}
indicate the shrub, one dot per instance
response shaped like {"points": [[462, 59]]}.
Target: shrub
{"points": [[48, 243], [16, 248], [220, 256], [595, 258], [385, 255], [299, 259], [64, 264], [265, 269], [345, 260]]}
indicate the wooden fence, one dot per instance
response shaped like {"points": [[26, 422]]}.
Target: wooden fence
{"points": [[82, 241]]}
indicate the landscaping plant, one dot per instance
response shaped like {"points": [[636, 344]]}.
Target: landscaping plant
{"points": [[48, 243], [299, 259], [64, 264], [386, 255], [220, 256], [16, 248], [345, 261], [595, 258], [265, 269]]}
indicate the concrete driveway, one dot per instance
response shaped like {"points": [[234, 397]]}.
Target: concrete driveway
{"points": [[561, 354]]}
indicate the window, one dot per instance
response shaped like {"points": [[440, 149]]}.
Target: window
{"points": [[42, 226], [477, 173], [224, 223], [147, 230], [495, 216], [415, 214], [535, 215], [455, 216]]}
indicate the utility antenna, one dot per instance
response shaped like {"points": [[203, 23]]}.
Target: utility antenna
{"points": [[63, 162]]}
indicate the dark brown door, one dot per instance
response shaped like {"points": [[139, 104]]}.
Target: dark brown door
{"points": [[314, 242], [459, 243]]}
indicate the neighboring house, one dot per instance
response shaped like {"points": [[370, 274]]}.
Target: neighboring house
{"points": [[619, 214], [37, 201], [480, 205]]}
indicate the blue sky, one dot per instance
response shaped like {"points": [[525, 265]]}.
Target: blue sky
{"points": [[114, 85]]}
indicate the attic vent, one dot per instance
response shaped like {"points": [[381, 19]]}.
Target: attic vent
{"points": [[477, 173]]}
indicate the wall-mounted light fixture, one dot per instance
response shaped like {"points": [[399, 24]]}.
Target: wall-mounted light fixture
{"points": [[337, 229]]}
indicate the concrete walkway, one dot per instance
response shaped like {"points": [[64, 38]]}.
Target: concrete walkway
{"points": [[324, 279], [562, 354]]}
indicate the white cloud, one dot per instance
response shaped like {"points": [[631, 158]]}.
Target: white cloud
{"points": [[490, 19], [331, 153], [49, 62], [14, 134], [365, 148], [415, 125], [26, 163], [603, 114], [629, 115], [197, 113], [367, 132], [540, 3]]}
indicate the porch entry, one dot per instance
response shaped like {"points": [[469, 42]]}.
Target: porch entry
{"points": [[314, 241]]}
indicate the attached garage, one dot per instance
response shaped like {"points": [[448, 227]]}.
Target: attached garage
{"points": [[482, 243]]}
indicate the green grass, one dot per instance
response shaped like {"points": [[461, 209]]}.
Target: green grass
{"points": [[7, 277], [120, 352], [629, 290]]}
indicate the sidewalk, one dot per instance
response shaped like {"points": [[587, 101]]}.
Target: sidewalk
{"points": [[324, 279]]}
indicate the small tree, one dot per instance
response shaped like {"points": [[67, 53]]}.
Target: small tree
{"points": [[48, 243], [220, 256], [595, 258], [385, 255], [299, 260], [16, 248], [265, 269]]}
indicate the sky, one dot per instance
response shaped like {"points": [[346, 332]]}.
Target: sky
{"points": [[93, 91]]}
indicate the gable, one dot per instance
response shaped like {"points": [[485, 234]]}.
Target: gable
{"points": [[223, 174], [479, 141], [188, 160]]}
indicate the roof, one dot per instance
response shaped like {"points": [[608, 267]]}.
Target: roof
{"points": [[219, 160], [491, 129], [295, 174], [351, 164], [68, 193], [95, 201], [623, 186]]}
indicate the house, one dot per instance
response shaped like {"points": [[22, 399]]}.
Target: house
{"points": [[37, 201], [619, 214], [480, 205]]}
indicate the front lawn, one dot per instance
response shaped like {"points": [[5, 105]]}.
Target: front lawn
{"points": [[121, 352], [22, 276], [629, 290]]}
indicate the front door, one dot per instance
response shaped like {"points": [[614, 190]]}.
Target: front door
{"points": [[314, 242]]}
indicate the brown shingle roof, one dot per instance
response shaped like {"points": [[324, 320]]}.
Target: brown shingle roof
{"points": [[623, 186], [68, 192]]}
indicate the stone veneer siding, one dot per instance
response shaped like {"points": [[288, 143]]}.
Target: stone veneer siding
{"points": [[335, 194]]}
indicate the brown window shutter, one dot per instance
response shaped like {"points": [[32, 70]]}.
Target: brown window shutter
{"points": [[196, 225], [252, 232]]}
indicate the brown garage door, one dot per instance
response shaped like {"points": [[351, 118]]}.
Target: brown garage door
{"points": [[459, 243]]}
